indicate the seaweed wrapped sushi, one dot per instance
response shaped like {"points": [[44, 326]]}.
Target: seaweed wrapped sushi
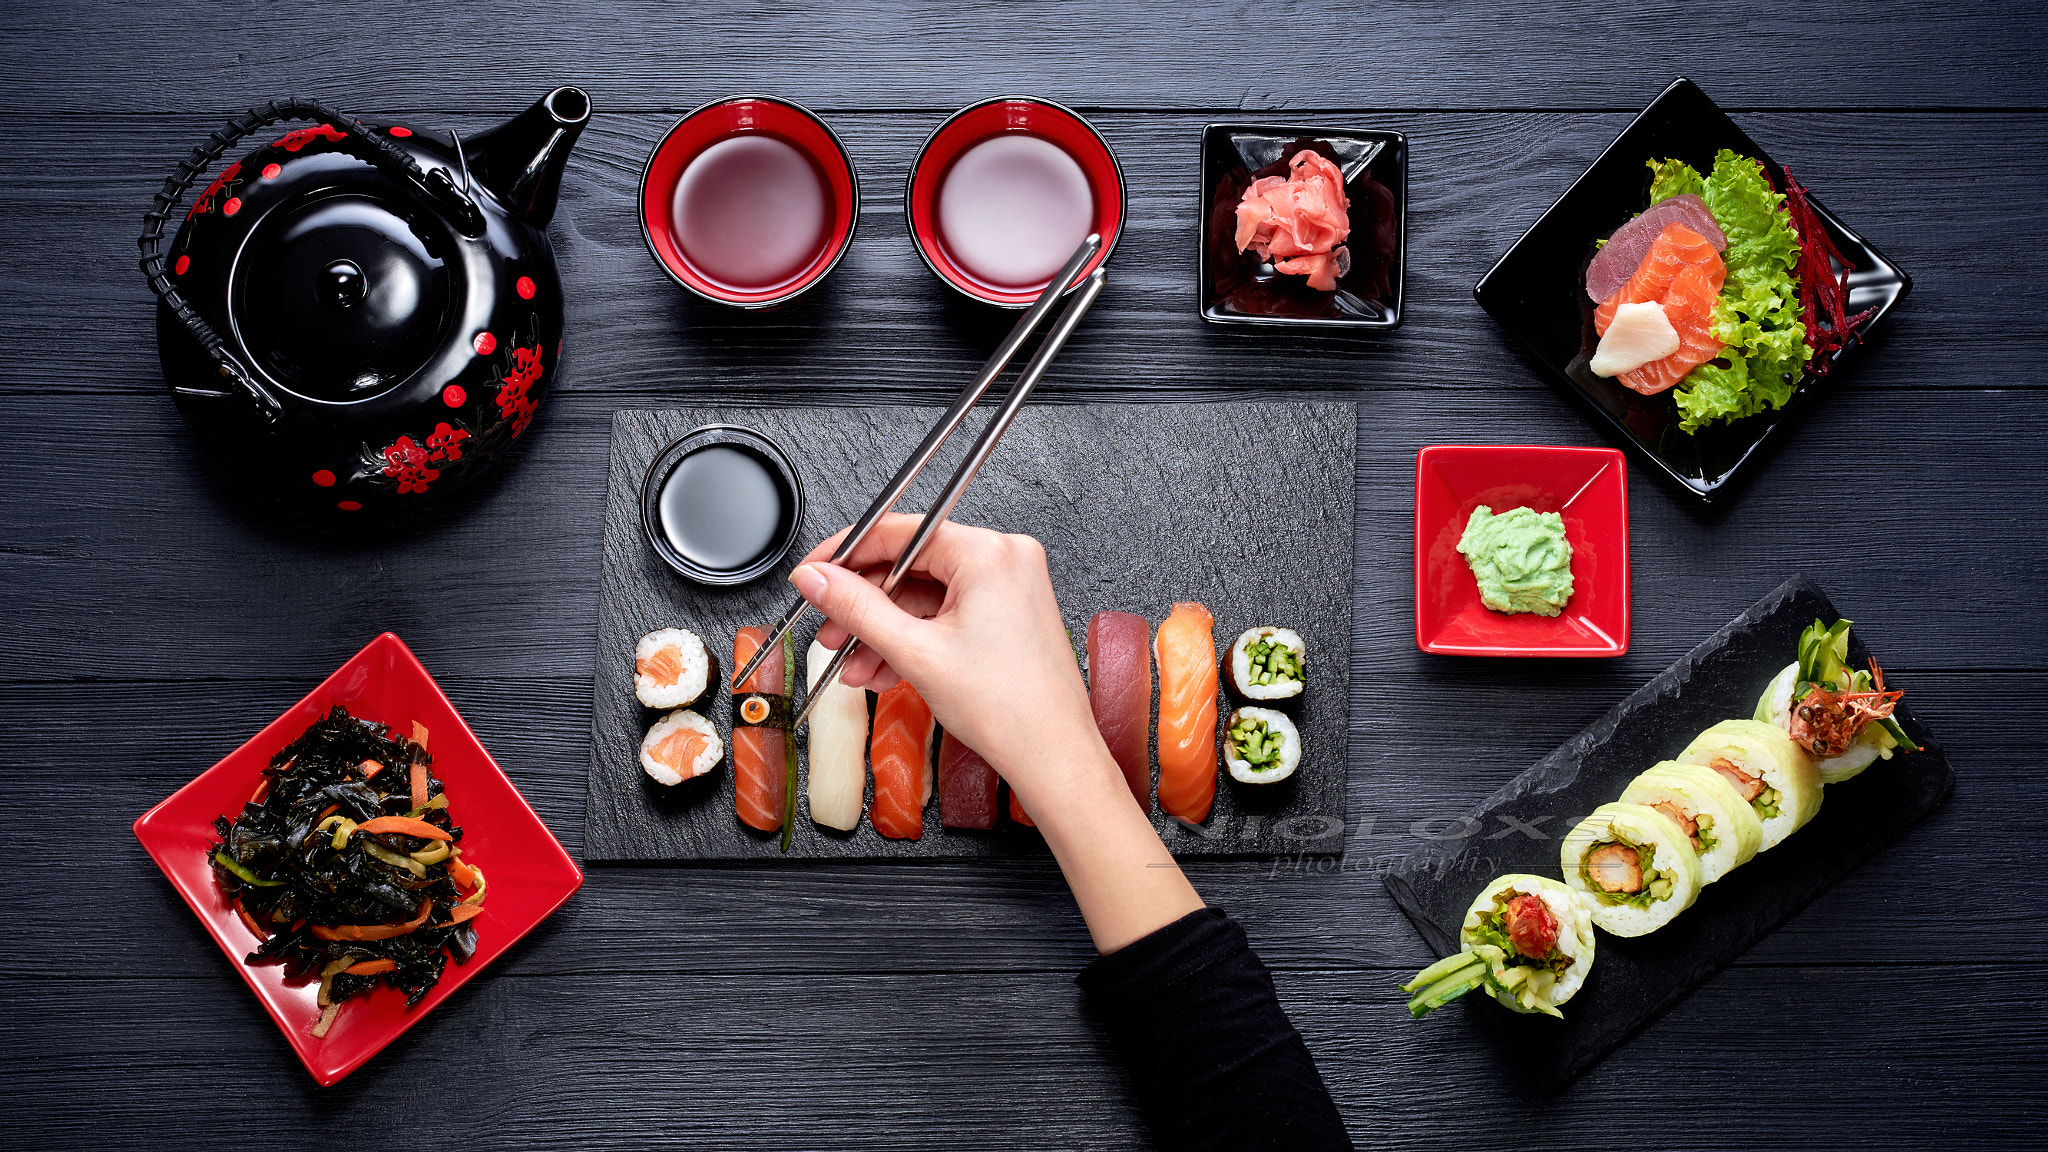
{"points": [[1268, 663]]}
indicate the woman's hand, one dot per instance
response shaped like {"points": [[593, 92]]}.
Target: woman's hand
{"points": [[976, 628]]}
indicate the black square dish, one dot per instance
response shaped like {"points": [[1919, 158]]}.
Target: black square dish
{"points": [[1537, 291], [1239, 288]]}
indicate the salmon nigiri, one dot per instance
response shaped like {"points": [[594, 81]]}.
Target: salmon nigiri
{"points": [[1185, 650], [900, 753], [760, 784], [1682, 274]]}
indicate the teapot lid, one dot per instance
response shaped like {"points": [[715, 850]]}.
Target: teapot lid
{"points": [[341, 294]]}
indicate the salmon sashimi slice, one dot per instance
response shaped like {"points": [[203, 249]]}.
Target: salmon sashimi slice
{"points": [[1185, 650], [967, 786], [1120, 693], [1018, 813], [1683, 274], [664, 667], [900, 754], [760, 783], [680, 749]]}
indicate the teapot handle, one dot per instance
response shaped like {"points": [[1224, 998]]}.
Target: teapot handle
{"points": [[435, 186]]}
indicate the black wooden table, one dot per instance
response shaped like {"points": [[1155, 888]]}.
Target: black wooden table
{"points": [[156, 616]]}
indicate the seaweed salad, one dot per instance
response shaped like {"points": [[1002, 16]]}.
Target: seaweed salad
{"points": [[348, 864]]}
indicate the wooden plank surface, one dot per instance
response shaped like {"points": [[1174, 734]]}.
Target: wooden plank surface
{"points": [[157, 614]]}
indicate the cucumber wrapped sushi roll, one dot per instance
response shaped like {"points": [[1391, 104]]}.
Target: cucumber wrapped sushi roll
{"points": [[1268, 663], [1725, 830], [1527, 940], [1766, 769], [1260, 746], [1838, 715], [1634, 867]]}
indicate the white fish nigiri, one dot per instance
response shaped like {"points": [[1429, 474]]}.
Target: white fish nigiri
{"points": [[1640, 334], [838, 746]]}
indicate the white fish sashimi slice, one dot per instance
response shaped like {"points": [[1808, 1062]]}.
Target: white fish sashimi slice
{"points": [[1639, 334], [838, 746]]}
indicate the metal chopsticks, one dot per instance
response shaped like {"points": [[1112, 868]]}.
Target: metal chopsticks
{"points": [[948, 423], [976, 456]]}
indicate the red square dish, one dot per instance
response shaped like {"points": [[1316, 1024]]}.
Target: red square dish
{"points": [[530, 873], [1587, 486]]}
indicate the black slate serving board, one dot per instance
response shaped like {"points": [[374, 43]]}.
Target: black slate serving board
{"points": [[1633, 981], [1246, 508]]}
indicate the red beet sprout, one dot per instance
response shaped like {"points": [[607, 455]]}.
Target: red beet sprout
{"points": [[1823, 289]]}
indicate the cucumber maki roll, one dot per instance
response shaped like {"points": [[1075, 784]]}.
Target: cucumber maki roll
{"points": [[1633, 866], [1268, 663], [1838, 715], [1766, 769], [1527, 940], [1260, 746], [1725, 830]]}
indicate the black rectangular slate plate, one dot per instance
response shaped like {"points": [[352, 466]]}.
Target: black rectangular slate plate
{"points": [[1244, 507], [1633, 981], [1537, 292], [1237, 288]]}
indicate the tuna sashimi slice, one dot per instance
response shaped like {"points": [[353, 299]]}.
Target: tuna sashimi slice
{"points": [[1618, 259], [1120, 692], [967, 786]]}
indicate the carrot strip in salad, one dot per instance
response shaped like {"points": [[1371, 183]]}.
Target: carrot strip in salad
{"points": [[372, 931], [405, 825], [372, 967]]}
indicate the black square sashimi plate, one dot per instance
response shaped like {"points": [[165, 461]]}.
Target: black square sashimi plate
{"points": [[1634, 980], [1238, 288], [1537, 291]]}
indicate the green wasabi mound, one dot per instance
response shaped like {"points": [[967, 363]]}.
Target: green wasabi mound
{"points": [[1520, 558]]}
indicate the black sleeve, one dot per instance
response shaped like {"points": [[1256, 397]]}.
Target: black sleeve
{"points": [[1215, 1061]]}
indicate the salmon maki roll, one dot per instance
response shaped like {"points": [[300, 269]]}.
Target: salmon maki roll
{"points": [[967, 786], [1185, 650], [1120, 692], [681, 746], [900, 754], [760, 786], [671, 669]]}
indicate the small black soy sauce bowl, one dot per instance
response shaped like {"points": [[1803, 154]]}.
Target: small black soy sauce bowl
{"points": [[767, 453]]}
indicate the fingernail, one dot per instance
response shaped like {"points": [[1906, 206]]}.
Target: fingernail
{"points": [[810, 583]]}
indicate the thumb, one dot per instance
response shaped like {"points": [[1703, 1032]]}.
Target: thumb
{"points": [[861, 608]]}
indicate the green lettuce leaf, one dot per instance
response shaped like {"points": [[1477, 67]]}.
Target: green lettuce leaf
{"points": [[1757, 317], [1670, 178]]}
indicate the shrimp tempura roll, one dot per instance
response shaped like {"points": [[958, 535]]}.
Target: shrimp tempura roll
{"points": [[1528, 941], [1633, 866], [1766, 768]]}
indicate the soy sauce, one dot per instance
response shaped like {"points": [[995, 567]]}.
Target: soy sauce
{"points": [[723, 507]]}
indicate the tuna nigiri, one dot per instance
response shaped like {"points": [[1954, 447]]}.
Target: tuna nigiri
{"points": [[1186, 652], [901, 752], [1120, 691], [759, 771], [1683, 274], [838, 732], [967, 786]]}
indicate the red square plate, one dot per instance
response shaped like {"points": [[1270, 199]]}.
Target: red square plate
{"points": [[1589, 486], [530, 874]]}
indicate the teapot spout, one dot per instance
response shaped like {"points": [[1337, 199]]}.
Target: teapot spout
{"points": [[521, 161]]}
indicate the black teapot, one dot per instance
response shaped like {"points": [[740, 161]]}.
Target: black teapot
{"points": [[365, 313]]}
